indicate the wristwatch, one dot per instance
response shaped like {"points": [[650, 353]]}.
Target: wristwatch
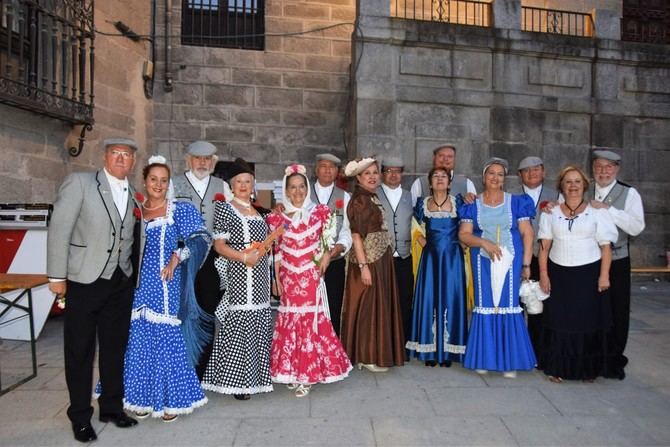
{"points": [[362, 264]]}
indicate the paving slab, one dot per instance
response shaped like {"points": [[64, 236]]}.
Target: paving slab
{"points": [[407, 406], [442, 430], [577, 431]]}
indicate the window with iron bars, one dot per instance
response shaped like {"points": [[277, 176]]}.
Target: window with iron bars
{"points": [[47, 57], [223, 23]]}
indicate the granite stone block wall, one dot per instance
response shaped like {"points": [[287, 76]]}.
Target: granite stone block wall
{"points": [[273, 107], [509, 93]]}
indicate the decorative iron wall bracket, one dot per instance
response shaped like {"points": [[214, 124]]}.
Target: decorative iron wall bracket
{"points": [[75, 151]]}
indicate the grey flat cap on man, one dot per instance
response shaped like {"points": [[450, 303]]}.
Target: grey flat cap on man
{"points": [[530, 162], [393, 162], [119, 142], [329, 157], [201, 149], [606, 155]]}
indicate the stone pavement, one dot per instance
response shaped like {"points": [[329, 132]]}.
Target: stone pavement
{"points": [[412, 405]]}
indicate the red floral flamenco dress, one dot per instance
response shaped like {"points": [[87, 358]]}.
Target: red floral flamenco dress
{"points": [[305, 348]]}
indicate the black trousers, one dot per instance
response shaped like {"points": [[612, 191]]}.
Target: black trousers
{"points": [[334, 279], [535, 321], [100, 309], [620, 300], [405, 280], [208, 293]]}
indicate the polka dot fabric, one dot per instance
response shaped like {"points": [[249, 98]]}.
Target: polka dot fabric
{"points": [[240, 361], [158, 377]]}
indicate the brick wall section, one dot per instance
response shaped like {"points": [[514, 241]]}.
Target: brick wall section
{"points": [[33, 149], [272, 107]]}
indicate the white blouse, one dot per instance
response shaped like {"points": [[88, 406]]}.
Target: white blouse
{"points": [[577, 243]]}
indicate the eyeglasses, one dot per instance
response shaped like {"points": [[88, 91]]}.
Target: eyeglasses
{"points": [[124, 154], [440, 176]]}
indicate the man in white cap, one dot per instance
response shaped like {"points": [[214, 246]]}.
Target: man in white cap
{"points": [[398, 211], [531, 176], [444, 156], [203, 190], [89, 248], [624, 205], [325, 191]]}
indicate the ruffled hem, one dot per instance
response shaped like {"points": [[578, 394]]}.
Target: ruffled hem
{"points": [[449, 348], [153, 317], [290, 378], [167, 410], [574, 356], [232, 390]]}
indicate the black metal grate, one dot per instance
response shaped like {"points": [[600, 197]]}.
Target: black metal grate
{"points": [[462, 12], [47, 57], [554, 21], [223, 23], [646, 21]]}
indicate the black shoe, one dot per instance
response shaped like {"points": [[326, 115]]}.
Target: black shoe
{"points": [[431, 363], [84, 432], [121, 420], [242, 396], [446, 364]]}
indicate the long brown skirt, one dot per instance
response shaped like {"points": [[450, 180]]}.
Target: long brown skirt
{"points": [[371, 320]]}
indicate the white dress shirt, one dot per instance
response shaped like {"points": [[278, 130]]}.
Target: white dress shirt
{"points": [[579, 243], [119, 190], [631, 218], [534, 193], [200, 185], [323, 193], [393, 196]]}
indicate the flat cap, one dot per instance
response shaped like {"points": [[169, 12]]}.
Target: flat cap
{"points": [[201, 149], [119, 142], [606, 155], [529, 162], [329, 157], [444, 146], [392, 162], [496, 161]]}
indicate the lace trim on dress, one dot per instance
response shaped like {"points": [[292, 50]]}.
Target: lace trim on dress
{"points": [[303, 234], [164, 411], [303, 268], [301, 252], [289, 378], [225, 236], [154, 317], [300, 309], [496, 310], [248, 306], [453, 349], [440, 214], [233, 390]]}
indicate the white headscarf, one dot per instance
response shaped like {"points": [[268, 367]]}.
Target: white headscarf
{"points": [[302, 213]]}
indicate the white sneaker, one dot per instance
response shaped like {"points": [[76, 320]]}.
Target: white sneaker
{"points": [[509, 374]]}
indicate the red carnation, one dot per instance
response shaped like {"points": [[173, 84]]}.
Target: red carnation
{"points": [[219, 197], [543, 204], [139, 197], [137, 213], [339, 204]]}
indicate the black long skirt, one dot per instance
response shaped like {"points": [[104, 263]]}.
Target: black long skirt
{"points": [[575, 324]]}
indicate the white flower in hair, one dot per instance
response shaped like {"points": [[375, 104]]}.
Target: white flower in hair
{"points": [[157, 159]]}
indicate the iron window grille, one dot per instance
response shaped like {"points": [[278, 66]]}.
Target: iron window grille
{"points": [[223, 23], [47, 57]]}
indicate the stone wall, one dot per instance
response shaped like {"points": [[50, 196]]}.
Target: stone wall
{"points": [[33, 149], [272, 107], [503, 92]]}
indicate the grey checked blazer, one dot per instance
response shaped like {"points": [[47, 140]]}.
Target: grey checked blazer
{"points": [[87, 237]]}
